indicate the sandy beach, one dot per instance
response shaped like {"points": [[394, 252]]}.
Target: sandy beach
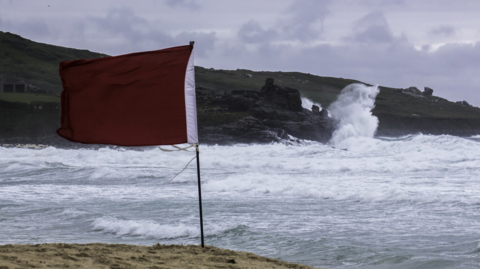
{"points": [[117, 256]]}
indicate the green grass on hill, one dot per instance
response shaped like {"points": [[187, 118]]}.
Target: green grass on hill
{"points": [[36, 63], [28, 98], [323, 90], [393, 102]]}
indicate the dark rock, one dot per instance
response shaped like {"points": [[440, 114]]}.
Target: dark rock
{"points": [[412, 89], [315, 109], [463, 103], [285, 98], [238, 103], [269, 82], [251, 94], [238, 92], [428, 91], [294, 99], [324, 113], [272, 114], [413, 92]]}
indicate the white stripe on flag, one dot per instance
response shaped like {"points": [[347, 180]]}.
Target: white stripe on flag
{"points": [[191, 102]]}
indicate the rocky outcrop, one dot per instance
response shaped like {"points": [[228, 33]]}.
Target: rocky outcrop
{"points": [[428, 91], [285, 98], [463, 103], [272, 114], [413, 92]]}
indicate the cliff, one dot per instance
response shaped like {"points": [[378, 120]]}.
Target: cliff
{"points": [[233, 105]]}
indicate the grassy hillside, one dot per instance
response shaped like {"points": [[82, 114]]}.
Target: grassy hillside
{"points": [[391, 101], [36, 63], [324, 90]]}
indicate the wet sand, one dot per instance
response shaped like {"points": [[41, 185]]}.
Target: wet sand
{"points": [[131, 256]]}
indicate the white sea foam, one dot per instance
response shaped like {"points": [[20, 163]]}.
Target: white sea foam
{"points": [[151, 229], [307, 103], [105, 163], [414, 192], [73, 212], [145, 228], [417, 168], [352, 111]]}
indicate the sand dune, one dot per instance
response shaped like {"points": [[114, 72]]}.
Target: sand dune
{"points": [[131, 256]]}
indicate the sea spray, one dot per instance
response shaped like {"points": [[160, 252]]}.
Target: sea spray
{"points": [[307, 103], [353, 113], [152, 229], [144, 228]]}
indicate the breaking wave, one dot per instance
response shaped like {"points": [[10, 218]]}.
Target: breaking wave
{"points": [[151, 229], [353, 113]]}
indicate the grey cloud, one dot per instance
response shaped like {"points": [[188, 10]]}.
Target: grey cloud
{"points": [[372, 18], [299, 21], [237, 49], [187, 4], [384, 3], [121, 21], [426, 48], [394, 3], [133, 33], [9, 2], [4, 24], [301, 16], [372, 28], [77, 32], [452, 70], [458, 57], [374, 34], [33, 28], [252, 32], [443, 30], [204, 42]]}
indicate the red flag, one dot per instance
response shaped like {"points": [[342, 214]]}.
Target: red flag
{"points": [[138, 99]]}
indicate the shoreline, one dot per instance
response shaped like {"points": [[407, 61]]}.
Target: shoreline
{"points": [[116, 256]]}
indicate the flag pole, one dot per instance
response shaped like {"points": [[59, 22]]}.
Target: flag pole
{"points": [[199, 184], [199, 193]]}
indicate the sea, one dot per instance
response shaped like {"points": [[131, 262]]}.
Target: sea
{"points": [[359, 201]]}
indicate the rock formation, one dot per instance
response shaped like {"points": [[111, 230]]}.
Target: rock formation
{"points": [[272, 114], [412, 89], [413, 92], [463, 103], [428, 91]]}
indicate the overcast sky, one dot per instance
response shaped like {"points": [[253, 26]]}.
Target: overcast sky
{"points": [[396, 43]]}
